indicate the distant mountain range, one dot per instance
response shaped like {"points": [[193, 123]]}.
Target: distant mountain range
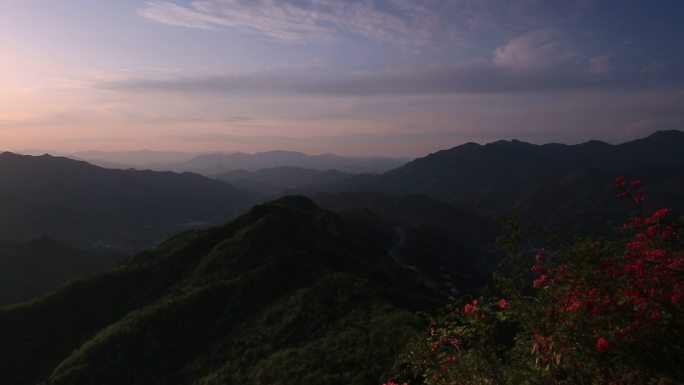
{"points": [[473, 169], [565, 187], [278, 180], [101, 208], [562, 186], [215, 163]]}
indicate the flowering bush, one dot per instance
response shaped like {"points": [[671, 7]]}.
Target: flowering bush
{"points": [[594, 312]]}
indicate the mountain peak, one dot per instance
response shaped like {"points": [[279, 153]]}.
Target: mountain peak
{"points": [[298, 202], [666, 135], [510, 143]]}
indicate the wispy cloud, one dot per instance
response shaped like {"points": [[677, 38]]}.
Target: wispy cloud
{"points": [[600, 64], [539, 48], [479, 78], [401, 22], [396, 21]]}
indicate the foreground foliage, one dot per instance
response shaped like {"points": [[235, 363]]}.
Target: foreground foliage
{"points": [[593, 312]]}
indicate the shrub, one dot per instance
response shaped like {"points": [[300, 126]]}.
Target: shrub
{"points": [[592, 312]]}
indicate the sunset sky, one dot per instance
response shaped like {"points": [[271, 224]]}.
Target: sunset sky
{"points": [[373, 77]]}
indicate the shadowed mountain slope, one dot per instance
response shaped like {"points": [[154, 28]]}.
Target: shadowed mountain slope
{"points": [[547, 185], [444, 243], [211, 164], [287, 293], [280, 179], [36, 267], [96, 207]]}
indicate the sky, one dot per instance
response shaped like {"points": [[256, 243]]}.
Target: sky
{"points": [[368, 77]]}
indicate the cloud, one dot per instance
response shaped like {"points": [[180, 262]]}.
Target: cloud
{"points": [[402, 22], [419, 80], [533, 49], [600, 64], [395, 21]]}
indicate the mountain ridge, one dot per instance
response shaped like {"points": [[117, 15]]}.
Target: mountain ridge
{"points": [[90, 206], [272, 296], [494, 177]]}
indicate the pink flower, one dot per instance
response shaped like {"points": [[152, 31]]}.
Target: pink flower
{"points": [[602, 345], [469, 309], [503, 304]]}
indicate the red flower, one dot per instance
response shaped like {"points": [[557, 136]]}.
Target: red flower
{"points": [[503, 304], [573, 305], [676, 296], [639, 197], [633, 223], [619, 181], [654, 254], [636, 245], [538, 268], [602, 345], [656, 315], [469, 309], [658, 214], [540, 255], [637, 184], [540, 281]]}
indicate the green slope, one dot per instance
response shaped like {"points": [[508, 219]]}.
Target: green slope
{"points": [[284, 294]]}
